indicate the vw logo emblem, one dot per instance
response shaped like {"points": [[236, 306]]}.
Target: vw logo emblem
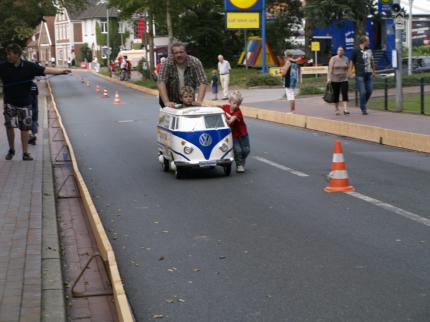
{"points": [[205, 139]]}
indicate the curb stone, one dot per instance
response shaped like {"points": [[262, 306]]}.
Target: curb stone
{"points": [[53, 302]]}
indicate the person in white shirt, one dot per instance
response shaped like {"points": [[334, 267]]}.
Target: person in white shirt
{"points": [[224, 75]]}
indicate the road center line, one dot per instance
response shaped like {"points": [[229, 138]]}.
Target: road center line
{"points": [[391, 208], [280, 166]]}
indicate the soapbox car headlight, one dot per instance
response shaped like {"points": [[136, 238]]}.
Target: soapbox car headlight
{"points": [[188, 149], [223, 147]]}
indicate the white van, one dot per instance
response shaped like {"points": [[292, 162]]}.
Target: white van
{"points": [[134, 56], [194, 137]]}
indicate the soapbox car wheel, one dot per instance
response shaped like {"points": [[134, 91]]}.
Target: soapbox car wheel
{"points": [[165, 165], [227, 170], [178, 172]]}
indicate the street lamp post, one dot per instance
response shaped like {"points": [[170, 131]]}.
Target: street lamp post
{"points": [[410, 38], [107, 31]]}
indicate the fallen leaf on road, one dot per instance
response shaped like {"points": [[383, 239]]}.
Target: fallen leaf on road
{"points": [[158, 316], [161, 258], [222, 257], [196, 269]]}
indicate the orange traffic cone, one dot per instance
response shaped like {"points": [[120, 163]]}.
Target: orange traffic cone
{"points": [[98, 89], [338, 175], [105, 92], [117, 100]]}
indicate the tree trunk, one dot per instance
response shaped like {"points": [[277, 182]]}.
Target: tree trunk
{"points": [[169, 26], [151, 42], [360, 28]]}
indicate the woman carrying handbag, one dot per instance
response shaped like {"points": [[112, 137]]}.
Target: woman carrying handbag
{"points": [[337, 77]]}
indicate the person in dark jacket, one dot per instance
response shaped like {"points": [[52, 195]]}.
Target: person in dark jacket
{"points": [[34, 92], [17, 76], [362, 60]]}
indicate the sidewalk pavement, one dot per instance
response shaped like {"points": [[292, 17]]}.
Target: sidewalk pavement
{"points": [[273, 99], [30, 269]]}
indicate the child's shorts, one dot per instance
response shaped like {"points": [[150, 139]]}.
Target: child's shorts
{"points": [[291, 93]]}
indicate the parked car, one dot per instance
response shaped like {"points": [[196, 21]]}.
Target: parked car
{"points": [[420, 64]]}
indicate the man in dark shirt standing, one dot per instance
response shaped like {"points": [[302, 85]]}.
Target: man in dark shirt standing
{"points": [[17, 76], [181, 70], [362, 60]]}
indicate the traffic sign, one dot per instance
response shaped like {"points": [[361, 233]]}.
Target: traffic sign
{"points": [[400, 23]]}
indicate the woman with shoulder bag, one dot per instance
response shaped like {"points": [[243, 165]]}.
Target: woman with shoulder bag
{"points": [[338, 78]]}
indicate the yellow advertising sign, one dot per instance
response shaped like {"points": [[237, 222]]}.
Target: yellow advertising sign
{"points": [[243, 20], [315, 46], [243, 4], [275, 71]]}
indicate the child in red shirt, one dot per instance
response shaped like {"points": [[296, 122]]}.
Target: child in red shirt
{"points": [[239, 131]]}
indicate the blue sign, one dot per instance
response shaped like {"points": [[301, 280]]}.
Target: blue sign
{"points": [[384, 6], [243, 5]]}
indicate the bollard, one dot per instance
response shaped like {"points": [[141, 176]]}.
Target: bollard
{"points": [[422, 94], [385, 93]]}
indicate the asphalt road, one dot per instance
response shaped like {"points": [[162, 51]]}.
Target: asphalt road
{"points": [[268, 245]]}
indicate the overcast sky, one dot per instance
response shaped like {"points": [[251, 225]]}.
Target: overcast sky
{"points": [[419, 6]]}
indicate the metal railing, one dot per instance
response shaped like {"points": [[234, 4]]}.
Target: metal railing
{"points": [[384, 88]]}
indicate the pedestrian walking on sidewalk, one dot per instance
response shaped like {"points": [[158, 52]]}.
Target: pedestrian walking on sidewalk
{"points": [[34, 92], [214, 85], [239, 131], [362, 60], [17, 76], [181, 70], [224, 75], [337, 77], [290, 72]]}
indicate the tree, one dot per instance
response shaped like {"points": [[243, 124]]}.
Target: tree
{"points": [[202, 26], [86, 53], [20, 17], [114, 36], [287, 20], [320, 13]]}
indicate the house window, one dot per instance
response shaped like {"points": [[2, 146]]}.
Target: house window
{"points": [[121, 27], [104, 27]]}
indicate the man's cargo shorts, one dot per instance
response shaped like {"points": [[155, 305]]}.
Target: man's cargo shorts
{"points": [[17, 117]]}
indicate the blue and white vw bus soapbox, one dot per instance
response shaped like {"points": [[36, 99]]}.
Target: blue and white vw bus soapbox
{"points": [[194, 137]]}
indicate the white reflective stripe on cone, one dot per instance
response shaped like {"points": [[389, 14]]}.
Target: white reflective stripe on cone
{"points": [[338, 157], [338, 174]]}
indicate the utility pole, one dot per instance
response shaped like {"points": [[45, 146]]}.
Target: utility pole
{"points": [[107, 35], [263, 36], [410, 38]]}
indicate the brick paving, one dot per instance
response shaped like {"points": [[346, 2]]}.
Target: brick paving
{"points": [[29, 279], [20, 233]]}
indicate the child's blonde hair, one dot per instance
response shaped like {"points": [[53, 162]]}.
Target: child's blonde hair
{"points": [[187, 90], [236, 96], [214, 72]]}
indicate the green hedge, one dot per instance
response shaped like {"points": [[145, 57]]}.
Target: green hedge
{"points": [[260, 80]]}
